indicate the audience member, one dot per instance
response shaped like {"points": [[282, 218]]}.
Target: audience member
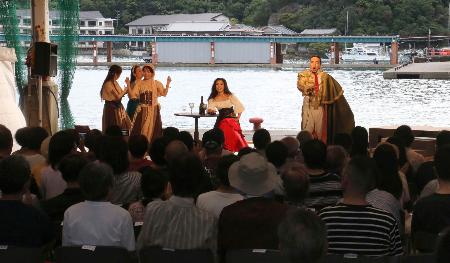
{"points": [[432, 213], [30, 139], [442, 251], [187, 139], [303, 137], [261, 138], [157, 151], [360, 142], [293, 147], [353, 225], [344, 140], [303, 237], [171, 132], [325, 188], [114, 131], [252, 222], [6, 142], [174, 150], [126, 185], [295, 184], [405, 134], [177, 223], [70, 168], [337, 158], [224, 195], [138, 146], [246, 150], [213, 136], [154, 185], [277, 154], [92, 141], [20, 225], [52, 184], [96, 221]]}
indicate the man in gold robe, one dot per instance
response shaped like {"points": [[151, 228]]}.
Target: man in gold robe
{"points": [[325, 110]]}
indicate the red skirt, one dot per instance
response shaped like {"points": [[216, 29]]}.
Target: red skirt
{"points": [[234, 139]]}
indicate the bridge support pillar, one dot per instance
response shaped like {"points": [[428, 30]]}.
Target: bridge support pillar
{"points": [[335, 53], [212, 60], [394, 53], [154, 54], [94, 52], [109, 48], [273, 53]]}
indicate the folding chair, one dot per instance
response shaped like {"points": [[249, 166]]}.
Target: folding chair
{"points": [[20, 254], [166, 255], [255, 256], [92, 254]]}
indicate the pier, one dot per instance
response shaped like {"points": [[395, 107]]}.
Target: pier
{"points": [[428, 70]]}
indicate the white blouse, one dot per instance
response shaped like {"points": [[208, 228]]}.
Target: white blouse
{"points": [[232, 101]]}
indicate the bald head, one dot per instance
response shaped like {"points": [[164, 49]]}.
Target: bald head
{"points": [[174, 150], [292, 144]]}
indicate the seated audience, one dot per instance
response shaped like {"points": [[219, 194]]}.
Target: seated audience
{"points": [[187, 139], [432, 213], [324, 187], [224, 195], [405, 134], [360, 142], [344, 140], [261, 138], [70, 168], [246, 150], [353, 225], [20, 224], [92, 141], [293, 146], [174, 150], [30, 139], [6, 142], [154, 185], [277, 154], [96, 221], [137, 146], [442, 251], [303, 137], [177, 223], [296, 184], [157, 151], [214, 135], [303, 237], [171, 132], [337, 158], [252, 222], [126, 184]]}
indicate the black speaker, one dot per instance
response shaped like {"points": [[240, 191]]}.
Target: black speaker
{"points": [[45, 59]]}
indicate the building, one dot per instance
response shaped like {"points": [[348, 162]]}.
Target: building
{"points": [[277, 30], [320, 32]]}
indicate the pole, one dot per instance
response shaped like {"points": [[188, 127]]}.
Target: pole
{"points": [[346, 32], [39, 86]]}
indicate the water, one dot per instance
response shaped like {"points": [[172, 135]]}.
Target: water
{"points": [[273, 95]]}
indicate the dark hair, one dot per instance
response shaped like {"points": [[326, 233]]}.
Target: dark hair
{"points": [[96, 179], [303, 236], [303, 137], [314, 154], [401, 149], [61, 144], [214, 91], [276, 153], [153, 183], [174, 150], [245, 151], [6, 139], [360, 141], [187, 139], [137, 145], [185, 175], [112, 72], [157, 150], [293, 146], [336, 159], [223, 166], [261, 138], [442, 251], [405, 134], [295, 182], [214, 135], [442, 163], [171, 132], [71, 165], [388, 178], [149, 68], [344, 140], [92, 141], [132, 74], [443, 138], [36, 136], [14, 174], [361, 172], [114, 151], [114, 130], [316, 56]]}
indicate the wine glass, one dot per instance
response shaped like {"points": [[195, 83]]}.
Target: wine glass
{"points": [[191, 105]]}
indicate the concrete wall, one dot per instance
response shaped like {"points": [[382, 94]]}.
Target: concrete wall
{"points": [[241, 52], [183, 52]]}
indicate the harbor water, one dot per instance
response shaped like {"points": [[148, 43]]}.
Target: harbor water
{"points": [[272, 94]]}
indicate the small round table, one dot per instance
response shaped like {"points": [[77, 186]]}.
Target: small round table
{"points": [[196, 116]]}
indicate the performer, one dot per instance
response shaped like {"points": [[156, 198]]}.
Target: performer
{"points": [[113, 111], [230, 110], [325, 110], [133, 100], [147, 118]]}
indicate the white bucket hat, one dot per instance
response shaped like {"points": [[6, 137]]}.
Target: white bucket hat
{"points": [[253, 175]]}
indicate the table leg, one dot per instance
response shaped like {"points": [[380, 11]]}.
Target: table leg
{"points": [[196, 135]]}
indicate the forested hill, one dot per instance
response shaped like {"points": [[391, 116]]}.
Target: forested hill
{"points": [[366, 17]]}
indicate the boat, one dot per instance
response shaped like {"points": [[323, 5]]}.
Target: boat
{"points": [[366, 52]]}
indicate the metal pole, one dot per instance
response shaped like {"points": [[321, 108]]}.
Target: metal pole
{"points": [[39, 84]]}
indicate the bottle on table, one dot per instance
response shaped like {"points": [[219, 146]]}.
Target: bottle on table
{"points": [[202, 107]]}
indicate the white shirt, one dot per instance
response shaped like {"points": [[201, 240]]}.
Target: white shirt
{"points": [[98, 224], [52, 183], [232, 101], [215, 201]]}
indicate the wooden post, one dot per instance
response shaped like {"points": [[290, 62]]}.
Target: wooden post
{"points": [[335, 49], [109, 48], [94, 52], [212, 61], [154, 54], [273, 51], [394, 53]]}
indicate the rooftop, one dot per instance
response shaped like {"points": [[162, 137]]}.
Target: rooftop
{"points": [[324, 31], [169, 19], [202, 26], [84, 15], [278, 29]]}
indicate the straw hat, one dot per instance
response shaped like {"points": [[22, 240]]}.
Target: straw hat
{"points": [[253, 175]]}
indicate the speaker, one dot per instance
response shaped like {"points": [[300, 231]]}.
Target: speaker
{"points": [[45, 59]]}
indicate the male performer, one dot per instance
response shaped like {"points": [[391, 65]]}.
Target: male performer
{"points": [[325, 111]]}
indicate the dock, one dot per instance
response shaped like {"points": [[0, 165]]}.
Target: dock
{"points": [[428, 70]]}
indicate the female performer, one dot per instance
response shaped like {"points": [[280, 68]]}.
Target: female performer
{"points": [[113, 111], [133, 100], [147, 118], [230, 110]]}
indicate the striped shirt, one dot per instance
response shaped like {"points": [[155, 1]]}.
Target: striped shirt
{"points": [[362, 230], [126, 189], [324, 190], [177, 223]]}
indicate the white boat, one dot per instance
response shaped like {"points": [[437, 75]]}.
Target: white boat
{"points": [[367, 52]]}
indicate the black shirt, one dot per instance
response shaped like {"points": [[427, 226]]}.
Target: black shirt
{"points": [[431, 214], [56, 206]]}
